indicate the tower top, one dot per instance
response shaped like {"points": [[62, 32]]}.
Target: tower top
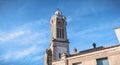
{"points": [[58, 12]]}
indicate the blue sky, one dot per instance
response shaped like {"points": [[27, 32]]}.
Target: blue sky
{"points": [[25, 27]]}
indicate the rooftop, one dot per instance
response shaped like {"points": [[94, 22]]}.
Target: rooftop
{"points": [[117, 27], [93, 50]]}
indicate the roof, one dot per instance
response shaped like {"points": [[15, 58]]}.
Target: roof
{"points": [[117, 27], [93, 50]]}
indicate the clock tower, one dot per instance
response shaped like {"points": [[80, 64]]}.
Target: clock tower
{"points": [[59, 43]]}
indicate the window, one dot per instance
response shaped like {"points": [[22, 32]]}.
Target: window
{"points": [[62, 33], [58, 32], [59, 55], [77, 63], [103, 61]]}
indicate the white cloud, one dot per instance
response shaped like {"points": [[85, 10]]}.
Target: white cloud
{"points": [[30, 34], [6, 57], [69, 18], [92, 31], [26, 33], [16, 55], [38, 58], [32, 38], [25, 52], [43, 21], [12, 35], [38, 22]]}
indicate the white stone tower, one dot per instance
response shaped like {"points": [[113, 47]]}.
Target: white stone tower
{"points": [[59, 43]]}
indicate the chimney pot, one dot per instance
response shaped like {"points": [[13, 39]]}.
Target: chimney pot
{"points": [[75, 51], [94, 45]]}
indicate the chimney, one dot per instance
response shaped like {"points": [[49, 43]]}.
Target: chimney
{"points": [[75, 51], [117, 31], [94, 45]]}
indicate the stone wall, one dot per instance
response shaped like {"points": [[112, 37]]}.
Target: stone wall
{"points": [[113, 55]]}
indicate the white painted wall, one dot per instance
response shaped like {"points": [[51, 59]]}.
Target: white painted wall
{"points": [[117, 31]]}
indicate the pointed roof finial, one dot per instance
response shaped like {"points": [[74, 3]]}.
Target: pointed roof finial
{"points": [[58, 12], [58, 9]]}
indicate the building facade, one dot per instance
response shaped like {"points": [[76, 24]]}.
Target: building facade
{"points": [[58, 51]]}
